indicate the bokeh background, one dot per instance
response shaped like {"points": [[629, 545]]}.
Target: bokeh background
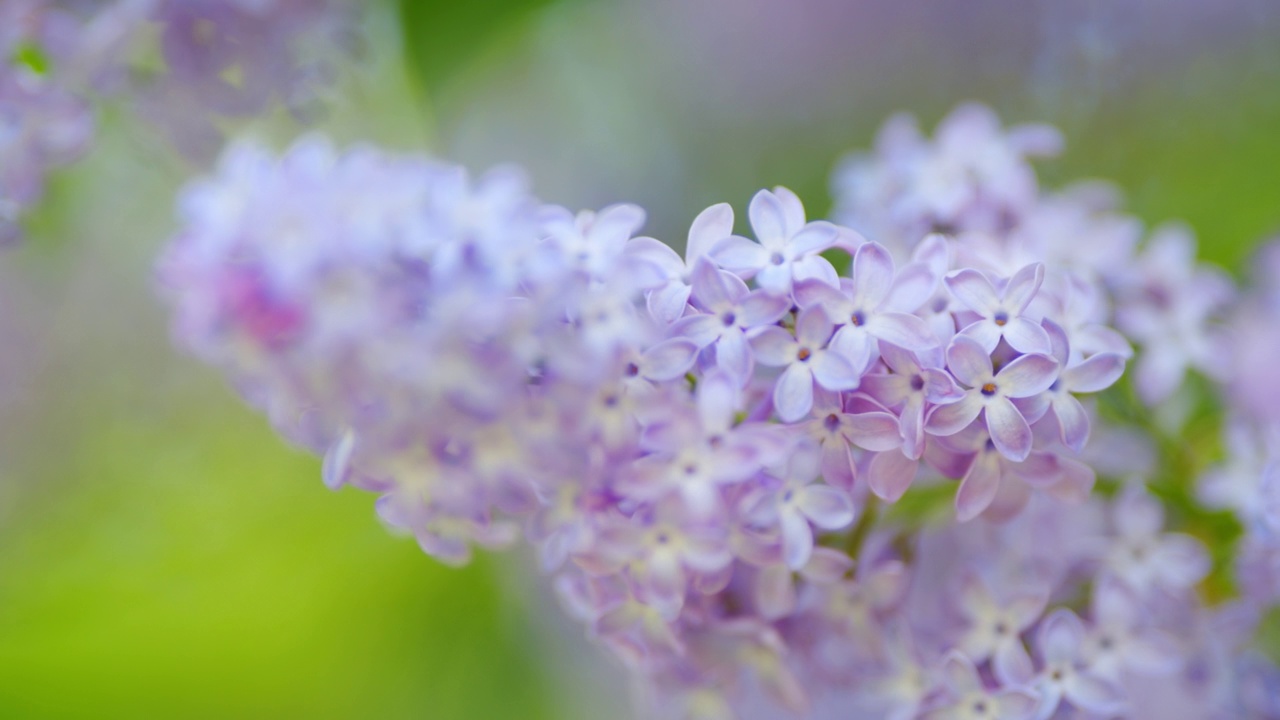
{"points": [[163, 554]]}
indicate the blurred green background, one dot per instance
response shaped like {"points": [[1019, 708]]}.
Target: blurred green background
{"points": [[163, 554]]}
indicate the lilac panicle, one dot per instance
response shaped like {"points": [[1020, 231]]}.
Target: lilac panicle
{"points": [[699, 447]]}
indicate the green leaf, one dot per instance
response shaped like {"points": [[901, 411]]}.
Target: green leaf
{"points": [[443, 37]]}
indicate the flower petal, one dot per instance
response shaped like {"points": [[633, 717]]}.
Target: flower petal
{"points": [[969, 362], [1016, 704], [792, 208], [1093, 694], [739, 255], [903, 330], [658, 254], [979, 486], [669, 359], [815, 268], [761, 308], [1026, 376], [733, 354], [774, 347], [890, 474], [974, 289], [793, 394], [712, 290], [813, 328], [717, 402], [857, 346], [959, 673], [1073, 421], [768, 220], [775, 592], [797, 539], [813, 238], [826, 507], [1022, 288], [710, 227], [838, 468], [1095, 374], [951, 419], [872, 275], [1060, 637], [874, 431], [914, 285], [702, 330], [1009, 430], [833, 372], [1026, 336], [667, 304], [1012, 664], [985, 332]]}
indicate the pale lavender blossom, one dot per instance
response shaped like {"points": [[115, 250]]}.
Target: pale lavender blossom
{"points": [[1001, 312], [730, 316], [993, 629], [991, 394], [1146, 559], [788, 247], [874, 305], [1065, 676], [798, 505], [810, 358], [1165, 304], [668, 300], [966, 697]]}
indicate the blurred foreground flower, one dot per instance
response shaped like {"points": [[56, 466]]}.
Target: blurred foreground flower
{"points": [[220, 59], [703, 449]]}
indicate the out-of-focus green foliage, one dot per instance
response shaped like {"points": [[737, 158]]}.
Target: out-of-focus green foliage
{"points": [[192, 566], [442, 37]]}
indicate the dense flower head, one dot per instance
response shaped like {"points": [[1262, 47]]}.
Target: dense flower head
{"points": [[717, 454], [58, 57]]}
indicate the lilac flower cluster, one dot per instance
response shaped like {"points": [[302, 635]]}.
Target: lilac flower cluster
{"points": [[737, 463], [973, 181], [58, 57]]}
